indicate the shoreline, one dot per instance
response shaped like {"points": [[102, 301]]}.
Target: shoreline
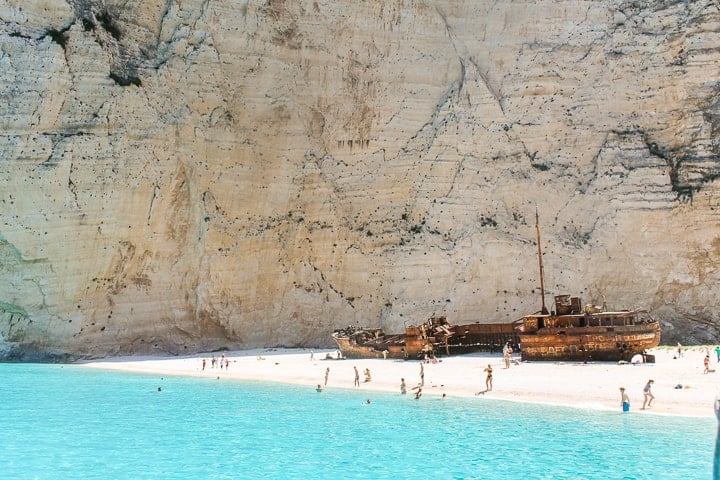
{"points": [[593, 385]]}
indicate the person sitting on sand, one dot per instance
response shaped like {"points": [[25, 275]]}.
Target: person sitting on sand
{"points": [[647, 392], [368, 377]]}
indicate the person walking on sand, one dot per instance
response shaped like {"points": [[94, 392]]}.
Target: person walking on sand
{"points": [[624, 400], [327, 374], [647, 392], [357, 377], [488, 378]]}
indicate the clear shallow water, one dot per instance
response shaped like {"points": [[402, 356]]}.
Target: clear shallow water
{"points": [[70, 422]]}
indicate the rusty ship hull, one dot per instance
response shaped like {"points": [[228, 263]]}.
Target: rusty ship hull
{"points": [[434, 337], [606, 336]]}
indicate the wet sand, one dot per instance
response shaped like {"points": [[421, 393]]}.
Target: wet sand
{"points": [[582, 385]]}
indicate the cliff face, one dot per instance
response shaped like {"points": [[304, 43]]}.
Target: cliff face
{"points": [[182, 176]]}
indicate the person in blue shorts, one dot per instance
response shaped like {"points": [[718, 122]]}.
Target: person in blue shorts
{"points": [[624, 400]]}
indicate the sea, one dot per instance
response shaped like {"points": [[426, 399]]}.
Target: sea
{"points": [[71, 422]]}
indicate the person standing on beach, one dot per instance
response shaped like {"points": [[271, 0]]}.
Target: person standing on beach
{"points": [[624, 400], [357, 377], [422, 375], [327, 374], [706, 364], [647, 392], [403, 387], [488, 378], [717, 352], [679, 350]]}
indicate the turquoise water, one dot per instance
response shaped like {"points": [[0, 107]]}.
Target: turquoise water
{"points": [[67, 422]]}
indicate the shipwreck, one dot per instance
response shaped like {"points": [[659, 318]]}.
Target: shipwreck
{"points": [[570, 332]]}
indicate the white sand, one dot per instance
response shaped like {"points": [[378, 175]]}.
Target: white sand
{"points": [[593, 385]]}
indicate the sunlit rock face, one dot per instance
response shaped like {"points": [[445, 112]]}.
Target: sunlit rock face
{"points": [[180, 176]]}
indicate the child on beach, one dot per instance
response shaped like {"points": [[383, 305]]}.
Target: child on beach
{"points": [[647, 392]]}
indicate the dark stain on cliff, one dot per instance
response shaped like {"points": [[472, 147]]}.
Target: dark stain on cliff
{"points": [[109, 25], [125, 81], [106, 25], [683, 189], [58, 36]]}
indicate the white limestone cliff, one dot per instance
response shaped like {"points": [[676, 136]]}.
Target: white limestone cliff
{"points": [[177, 176]]}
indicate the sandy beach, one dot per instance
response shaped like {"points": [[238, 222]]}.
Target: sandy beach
{"points": [[590, 386]]}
